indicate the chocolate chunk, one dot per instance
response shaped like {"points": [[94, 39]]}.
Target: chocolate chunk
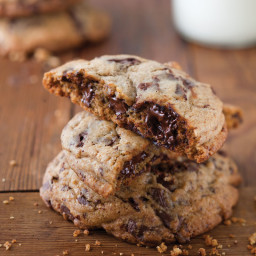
{"points": [[82, 200], [131, 226], [165, 217], [66, 212], [88, 93], [118, 105], [127, 61], [159, 196], [129, 168], [162, 123], [81, 138], [136, 231], [166, 181], [144, 86], [134, 205]]}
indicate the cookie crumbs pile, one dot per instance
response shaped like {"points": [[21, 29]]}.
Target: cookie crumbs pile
{"points": [[143, 162], [42, 26]]}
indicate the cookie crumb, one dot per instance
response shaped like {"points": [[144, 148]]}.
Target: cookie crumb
{"points": [[13, 163], [14, 241], [231, 235], [5, 202], [201, 252], [35, 204], [87, 247], [223, 253], [86, 232], [235, 242], [50, 222], [1, 245], [11, 198], [227, 222], [7, 245], [19, 244], [3, 179], [220, 246], [252, 239], [11, 217], [214, 251], [132, 254], [76, 233], [238, 220], [176, 251], [190, 246], [102, 252], [66, 252], [121, 254], [209, 241], [229, 245], [185, 252], [161, 248], [39, 211], [97, 242]]}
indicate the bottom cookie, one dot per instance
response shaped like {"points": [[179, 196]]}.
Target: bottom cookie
{"points": [[170, 204]]}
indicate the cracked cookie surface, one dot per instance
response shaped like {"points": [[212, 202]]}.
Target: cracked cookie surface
{"points": [[156, 101], [170, 203]]}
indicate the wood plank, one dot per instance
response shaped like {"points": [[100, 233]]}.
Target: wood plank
{"points": [[37, 236], [31, 123]]}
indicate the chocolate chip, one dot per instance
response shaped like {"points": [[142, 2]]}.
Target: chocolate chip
{"points": [[131, 226], [118, 105], [162, 123], [159, 196], [88, 93], [81, 138], [127, 61], [165, 217], [82, 200], [188, 83], [101, 171], [54, 178], [129, 168], [65, 188], [134, 205], [144, 86], [66, 212]]}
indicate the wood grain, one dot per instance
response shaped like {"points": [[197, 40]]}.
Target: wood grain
{"points": [[37, 236]]}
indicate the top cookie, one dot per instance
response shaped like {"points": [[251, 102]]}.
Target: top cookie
{"points": [[152, 99], [20, 8]]}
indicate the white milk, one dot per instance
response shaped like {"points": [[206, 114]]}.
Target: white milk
{"points": [[228, 23]]}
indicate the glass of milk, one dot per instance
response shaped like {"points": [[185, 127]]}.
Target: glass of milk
{"points": [[224, 23]]}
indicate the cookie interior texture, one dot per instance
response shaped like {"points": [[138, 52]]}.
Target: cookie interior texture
{"points": [[154, 100], [171, 203]]}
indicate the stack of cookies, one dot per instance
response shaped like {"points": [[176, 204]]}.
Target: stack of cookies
{"points": [[54, 25], [143, 161]]}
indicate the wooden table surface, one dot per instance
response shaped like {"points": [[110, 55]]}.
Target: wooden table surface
{"points": [[32, 120]]}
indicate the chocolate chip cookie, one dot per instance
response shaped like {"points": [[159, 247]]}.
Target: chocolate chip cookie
{"points": [[171, 203], [155, 100], [20, 8], [54, 32], [104, 155]]}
